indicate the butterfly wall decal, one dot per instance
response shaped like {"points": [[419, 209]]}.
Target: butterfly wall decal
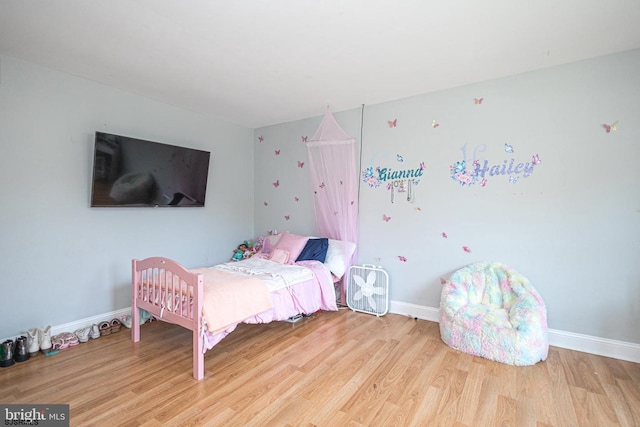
{"points": [[385, 218], [260, 138], [287, 217], [513, 179], [277, 183], [304, 139], [434, 124], [277, 152], [535, 159], [399, 158], [295, 198], [265, 203], [483, 183], [612, 127], [508, 148], [421, 167], [466, 249], [300, 164], [321, 185], [417, 209], [478, 101], [392, 123], [444, 235], [402, 258]]}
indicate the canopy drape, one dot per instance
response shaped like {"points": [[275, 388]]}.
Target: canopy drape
{"points": [[334, 181]]}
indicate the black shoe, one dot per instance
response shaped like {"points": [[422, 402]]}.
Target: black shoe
{"points": [[6, 353], [21, 350]]}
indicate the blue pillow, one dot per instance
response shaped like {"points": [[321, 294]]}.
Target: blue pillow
{"points": [[314, 250]]}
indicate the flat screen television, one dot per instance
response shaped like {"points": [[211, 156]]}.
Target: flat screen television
{"points": [[137, 173]]}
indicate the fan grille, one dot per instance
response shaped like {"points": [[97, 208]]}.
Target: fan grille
{"points": [[368, 289]]}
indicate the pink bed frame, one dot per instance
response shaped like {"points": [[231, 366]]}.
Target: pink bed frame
{"points": [[154, 277]]}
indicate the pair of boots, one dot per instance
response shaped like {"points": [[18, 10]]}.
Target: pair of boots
{"points": [[39, 339], [14, 351]]}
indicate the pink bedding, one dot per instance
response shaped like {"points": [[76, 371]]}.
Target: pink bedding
{"points": [[225, 298], [306, 297]]}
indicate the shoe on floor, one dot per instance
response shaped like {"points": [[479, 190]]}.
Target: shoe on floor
{"points": [[33, 338], [105, 328], [45, 340], [83, 333], [95, 332], [115, 325]]}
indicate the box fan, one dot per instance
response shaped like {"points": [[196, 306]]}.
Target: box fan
{"points": [[368, 289]]}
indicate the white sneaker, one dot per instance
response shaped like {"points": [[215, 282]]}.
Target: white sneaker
{"points": [[95, 332], [33, 339], [83, 334], [45, 339]]}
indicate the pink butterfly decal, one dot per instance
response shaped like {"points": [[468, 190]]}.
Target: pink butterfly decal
{"points": [[260, 138], [535, 159], [483, 183], [304, 139], [434, 124], [277, 152], [287, 217], [392, 123], [478, 100], [265, 203], [277, 183], [466, 249], [402, 259], [612, 127], [385, 218], [300, 164], [296, 199], [422, 166], [322, 185], [443, 281], [444, 235], [352, 202]]}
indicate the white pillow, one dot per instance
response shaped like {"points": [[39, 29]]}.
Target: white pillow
{"points": [[338, 252]]}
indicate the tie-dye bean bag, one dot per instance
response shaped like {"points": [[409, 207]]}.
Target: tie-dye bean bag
{"points": [[492, 311]]}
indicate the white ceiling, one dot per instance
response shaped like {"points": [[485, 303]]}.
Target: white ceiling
{"points": [[263, 62]]}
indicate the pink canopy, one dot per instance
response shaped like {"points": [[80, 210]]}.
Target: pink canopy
{"points": [[334, 180]]}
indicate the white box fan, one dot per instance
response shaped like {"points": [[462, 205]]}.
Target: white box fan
{"points": [[368, 289]]}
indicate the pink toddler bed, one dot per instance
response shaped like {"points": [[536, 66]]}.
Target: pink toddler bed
{"points": [[211, 302]]}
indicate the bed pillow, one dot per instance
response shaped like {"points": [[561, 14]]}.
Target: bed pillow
{"points": [[314, 250], [293, 244], [337, 253], [280, 256], [269, 242]]}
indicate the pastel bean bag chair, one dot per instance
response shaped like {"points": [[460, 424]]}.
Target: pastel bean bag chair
{"points": [[492, 311]]}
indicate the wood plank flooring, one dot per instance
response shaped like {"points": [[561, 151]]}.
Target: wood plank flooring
{"points": [[331, 369]]}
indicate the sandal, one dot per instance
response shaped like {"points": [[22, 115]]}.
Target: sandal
{"points": [[105, 328], [115, 325]]}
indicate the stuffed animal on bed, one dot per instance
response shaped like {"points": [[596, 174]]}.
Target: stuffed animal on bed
{"points": [[244, 250]]}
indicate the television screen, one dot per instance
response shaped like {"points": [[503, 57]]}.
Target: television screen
{"points": [[133, 172]]}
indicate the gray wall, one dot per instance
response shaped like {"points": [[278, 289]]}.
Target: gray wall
{"points": [[572, 227], [61, 260]]}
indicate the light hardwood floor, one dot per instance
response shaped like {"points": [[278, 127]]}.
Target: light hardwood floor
{"points": [[331, 369]]}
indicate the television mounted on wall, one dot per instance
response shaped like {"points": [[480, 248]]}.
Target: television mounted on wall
{"points": [[131, 172]]}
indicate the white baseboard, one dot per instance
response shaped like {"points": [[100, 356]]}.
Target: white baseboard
{"points": [[88, 321], [586, 343]]}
